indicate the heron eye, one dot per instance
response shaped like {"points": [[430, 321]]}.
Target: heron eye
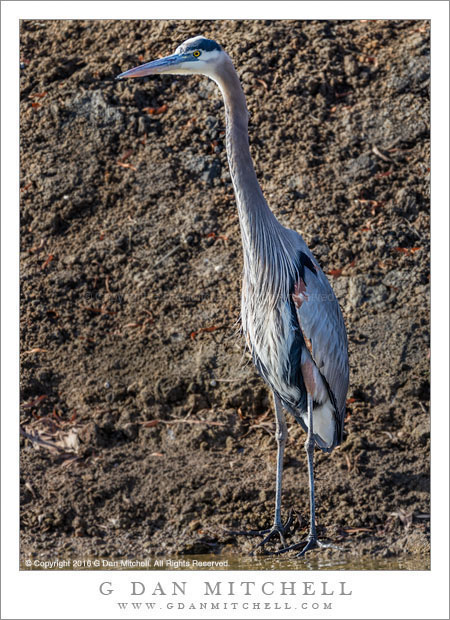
{"points": [[197, 53]]}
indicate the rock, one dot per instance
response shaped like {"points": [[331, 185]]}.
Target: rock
{"points": [[195, 402], [350, 66], [92, 106], [194, 525], [194, 163], [230, 444], [396, 279], [377, 294], [406, 201], [313, 85], [143, 124], [70, 259], [212, 172], [362, 167], [65, 279], [356, 291]]}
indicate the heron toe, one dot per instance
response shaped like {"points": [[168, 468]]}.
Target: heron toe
{"points": [[278, 529], [308, 545], [314, 544]]}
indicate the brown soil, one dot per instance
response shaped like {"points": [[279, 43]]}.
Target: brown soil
{"points": [[145, 426]]}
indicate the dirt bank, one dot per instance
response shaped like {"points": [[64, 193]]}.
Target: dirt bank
{"points": [[145, 426]]}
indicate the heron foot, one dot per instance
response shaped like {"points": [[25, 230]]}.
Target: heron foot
{"points": [[312, 542], [279, 529]]}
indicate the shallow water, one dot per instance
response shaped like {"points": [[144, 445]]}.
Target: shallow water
{"points": [[317, 563], [235, 562]]}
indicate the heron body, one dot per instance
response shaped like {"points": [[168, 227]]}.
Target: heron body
{"points": [[291, 319]]}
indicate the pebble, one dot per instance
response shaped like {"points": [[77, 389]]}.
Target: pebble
{"points": [[194, 525], [229, 444], [350, 65], [356, 291]]}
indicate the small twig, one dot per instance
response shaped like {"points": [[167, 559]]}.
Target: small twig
{"points": [[181, 420], [30, 488], [172, 251], [42, 442], [262, 82], [48, 261], [416, 232], [424, 409], [382, 156], [35, 402], [349, 465], [422, 516], [202, 330], [125, 165], [97, 310], [264, 426], [393, 143], [36, 350]]}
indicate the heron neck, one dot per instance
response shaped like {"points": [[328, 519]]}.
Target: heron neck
{"points": [[256, 219]]}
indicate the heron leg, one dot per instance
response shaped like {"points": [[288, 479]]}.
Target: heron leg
{"points": [[281, 436], [309, 447], [311, 540], [278, 527]]}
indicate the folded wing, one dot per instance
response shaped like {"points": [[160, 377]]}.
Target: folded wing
{"points": [[322, 325]]}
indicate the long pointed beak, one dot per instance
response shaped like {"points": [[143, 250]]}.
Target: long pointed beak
{"points": [[169, 63]]}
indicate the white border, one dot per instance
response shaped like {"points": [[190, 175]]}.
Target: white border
{"points": [[74, 594]]}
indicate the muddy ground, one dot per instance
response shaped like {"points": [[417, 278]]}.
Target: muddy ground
{"points": [[144, 426]]}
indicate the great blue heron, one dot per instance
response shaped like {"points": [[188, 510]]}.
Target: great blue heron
{"points": [[290, 316]]}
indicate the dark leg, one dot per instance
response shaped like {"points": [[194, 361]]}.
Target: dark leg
{"points": [[309, 447], [282, 433], [281, 436], [278, 528], [311, 541]]}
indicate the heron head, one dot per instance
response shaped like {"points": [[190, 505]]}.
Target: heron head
{"points": [[196, 55]]}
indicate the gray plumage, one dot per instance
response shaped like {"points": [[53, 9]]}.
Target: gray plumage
{"points": [[291, 319]]}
